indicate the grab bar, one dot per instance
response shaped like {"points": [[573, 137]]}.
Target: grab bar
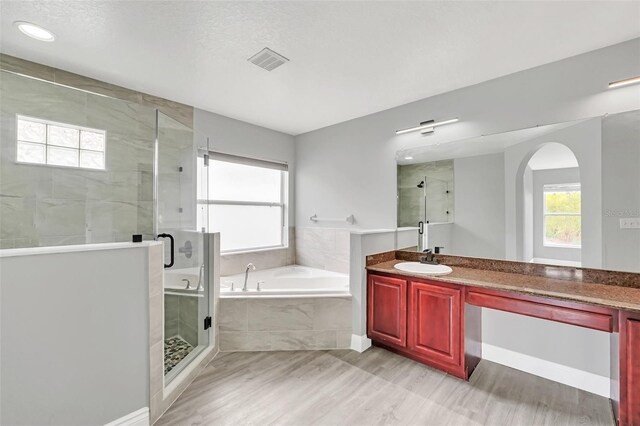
{"points": [[350, 219]]}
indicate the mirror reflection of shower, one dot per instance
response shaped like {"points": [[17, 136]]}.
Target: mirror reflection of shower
{"points": [[425, 193]]}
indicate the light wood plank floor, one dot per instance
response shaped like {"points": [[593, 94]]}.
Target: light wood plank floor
{"points": [[373, 388]]}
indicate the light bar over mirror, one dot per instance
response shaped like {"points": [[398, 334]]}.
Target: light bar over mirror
{"points": [[625, 82], [426, 126]]}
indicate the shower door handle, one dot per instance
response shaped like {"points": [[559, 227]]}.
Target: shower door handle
{"points": [[172, 243]]}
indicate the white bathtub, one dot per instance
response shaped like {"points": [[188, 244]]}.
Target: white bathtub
{"points": [[287, 281], [173, 283]]}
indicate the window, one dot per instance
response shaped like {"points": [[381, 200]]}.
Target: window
{"points": [[246, 201], [58, 144], [562, 220]]}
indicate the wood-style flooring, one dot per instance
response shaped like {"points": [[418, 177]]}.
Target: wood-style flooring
{"points": [[376, 387]]}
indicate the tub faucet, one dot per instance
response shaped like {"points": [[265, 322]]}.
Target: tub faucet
{"points": [[188, 287], [200, 277], [246, 275]]}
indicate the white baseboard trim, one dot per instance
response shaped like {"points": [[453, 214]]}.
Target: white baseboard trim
{"points": [[360, 343], [570, 376], [137, 418]]}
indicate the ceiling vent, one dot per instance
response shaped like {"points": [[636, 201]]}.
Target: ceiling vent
{"points": [[268, 59]]}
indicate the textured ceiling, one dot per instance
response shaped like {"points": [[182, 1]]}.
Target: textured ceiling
{"points": [[348, 59]]}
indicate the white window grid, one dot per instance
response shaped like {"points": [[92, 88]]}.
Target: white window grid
{"points": [[46, 143]]}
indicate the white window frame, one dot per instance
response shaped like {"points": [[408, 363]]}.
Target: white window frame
{"points": [[283, 204], [567, 187], [46, 143]]}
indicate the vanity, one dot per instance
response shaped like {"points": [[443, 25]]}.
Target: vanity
{"points": [[436, 319]]}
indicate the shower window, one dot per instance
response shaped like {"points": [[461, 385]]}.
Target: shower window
{"points": [[246, 202], [57, 144], [562, 215]]}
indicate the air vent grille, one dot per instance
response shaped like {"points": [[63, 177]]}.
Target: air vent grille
{"points": [[268, 59]]}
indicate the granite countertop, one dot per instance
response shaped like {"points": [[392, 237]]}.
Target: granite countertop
{"points": [[577, 290]]}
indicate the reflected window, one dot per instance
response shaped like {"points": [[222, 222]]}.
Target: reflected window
{"points": [[245, 200], [562, 215], [58, 144]]}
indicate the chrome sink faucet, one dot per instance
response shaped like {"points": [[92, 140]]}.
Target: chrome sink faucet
{"points": [[246, 275], [429, 257]]}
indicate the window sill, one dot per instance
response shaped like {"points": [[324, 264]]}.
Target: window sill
{"points": [[561, 246], [260, 250]]}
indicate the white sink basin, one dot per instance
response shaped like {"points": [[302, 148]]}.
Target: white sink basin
{"points": [[423, 268]]}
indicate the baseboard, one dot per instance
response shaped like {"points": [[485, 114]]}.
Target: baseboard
{"points": [[360, 343], [580, 379], [137, 418]]}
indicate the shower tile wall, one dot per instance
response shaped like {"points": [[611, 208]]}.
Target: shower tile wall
{"points": [[181, 318], [440, 205], [44, 205]]}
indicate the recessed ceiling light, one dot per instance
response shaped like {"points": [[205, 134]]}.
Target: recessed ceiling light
{"points": [[408, 157], [626, 81], [34, 31]]}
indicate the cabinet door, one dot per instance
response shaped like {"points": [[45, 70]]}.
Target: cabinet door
{"points": [[387, 310], [435, 322], [633, 372]]}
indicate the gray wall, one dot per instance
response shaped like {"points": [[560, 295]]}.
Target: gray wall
{"points": [[75, 349], [478, 229], [541, 178], [351, 168], [621, 191]]}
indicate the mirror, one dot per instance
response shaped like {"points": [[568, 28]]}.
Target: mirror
{"points": [[563, 194]]}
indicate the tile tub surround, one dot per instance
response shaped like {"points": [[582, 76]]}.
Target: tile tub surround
{"points": [[272, 324], [236, 263], [323, 248], [618, 290]]}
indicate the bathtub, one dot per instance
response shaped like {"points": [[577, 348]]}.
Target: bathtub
{"points": [[173, 283], [287, 281]]}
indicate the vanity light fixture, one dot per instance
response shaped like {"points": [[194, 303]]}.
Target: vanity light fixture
{"points": [[625, 82], [426, 126], [34, 31]]}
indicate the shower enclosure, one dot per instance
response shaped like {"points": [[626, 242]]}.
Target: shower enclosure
{"points": [[78, 167], [186, 273]]}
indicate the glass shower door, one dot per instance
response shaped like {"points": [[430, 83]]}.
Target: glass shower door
{"points": [[186, 292]]}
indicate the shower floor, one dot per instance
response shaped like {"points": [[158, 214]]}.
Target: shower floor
{"points": [[175, 350]]}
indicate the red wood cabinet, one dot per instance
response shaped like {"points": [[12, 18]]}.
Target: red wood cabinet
{"points": [[435, 322], [629, 370], [439, 324], [387, 310], [420, 319]]}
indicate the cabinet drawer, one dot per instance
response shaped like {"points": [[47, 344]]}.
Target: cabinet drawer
{"points": [[564, 312]]}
